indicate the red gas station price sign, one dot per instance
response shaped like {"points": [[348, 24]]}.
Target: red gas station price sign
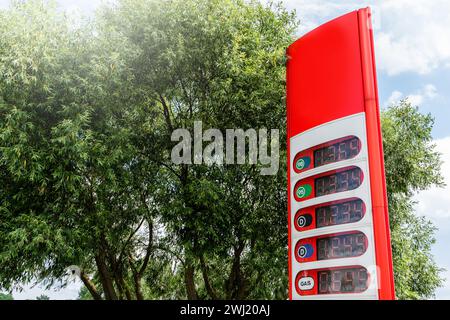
{"points": [[339, 239]]}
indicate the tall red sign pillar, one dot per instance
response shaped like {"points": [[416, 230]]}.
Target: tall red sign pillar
{"points": [[339, 239]]}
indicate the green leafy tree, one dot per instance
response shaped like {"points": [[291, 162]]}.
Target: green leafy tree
{"points": [[42, 297], [221, 62], [6, 296], [74, 190], [412, 164]]}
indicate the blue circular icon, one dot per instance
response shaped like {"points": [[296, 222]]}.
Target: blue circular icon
{"points": [[305, 251]]}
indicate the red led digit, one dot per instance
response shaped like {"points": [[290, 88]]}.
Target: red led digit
{"points": [[322, 248], [333, 215], [342, 151], [360, 244], [336, 281], [345, 213], [331, 154], [323, 282], [343, 181], [356, 178], [354, 147], [357, 210], [335, 248], [318, 157], [348, 281], [321, 216], [348, 247], [332, 186], [362, 279], [320, 186]]}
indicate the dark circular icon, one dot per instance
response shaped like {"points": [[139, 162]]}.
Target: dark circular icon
{"points": [[301, 221], [304, 220]]}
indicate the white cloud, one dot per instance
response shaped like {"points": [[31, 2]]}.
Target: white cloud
{"points": [[394, 97], [426, 93], [412, 35]]}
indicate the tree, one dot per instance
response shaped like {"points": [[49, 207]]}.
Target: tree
{"points": [[412, 165], [42, 297], [220, 62], [6, 296], [74, 191]]}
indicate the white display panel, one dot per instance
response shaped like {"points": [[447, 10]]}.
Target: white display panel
{"points": [[349, 126]]}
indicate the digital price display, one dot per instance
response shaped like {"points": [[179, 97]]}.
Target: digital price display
{"points": [[326, 153], [338, 182], [340, 151], [339, 213], [348, 244], [341, 246], [330, 182], [351, 280], [328, 214], [335, 280]]}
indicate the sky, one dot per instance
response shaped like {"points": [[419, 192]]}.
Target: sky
{"points": [[412, 50]]}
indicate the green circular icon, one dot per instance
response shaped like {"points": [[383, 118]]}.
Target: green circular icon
{"points": [[300, 164], [301, 192], [304, 191]]}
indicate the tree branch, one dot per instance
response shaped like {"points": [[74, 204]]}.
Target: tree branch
{"points": [[149, 250], [90, 286], [166, 112], [208, 286]]}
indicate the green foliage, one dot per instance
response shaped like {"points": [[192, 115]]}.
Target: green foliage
{"points": [[412, 164], [42, 297], [6, 296], [221, 62]]}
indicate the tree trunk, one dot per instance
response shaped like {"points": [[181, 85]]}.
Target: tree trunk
{"points": [[189, 282], [208, 285], [126, 289], [105, 277], [237, 285], [90, 286], [137, 287]]}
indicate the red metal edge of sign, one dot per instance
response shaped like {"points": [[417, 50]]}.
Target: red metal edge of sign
{"points": [[367, 84], [382, 234]]}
